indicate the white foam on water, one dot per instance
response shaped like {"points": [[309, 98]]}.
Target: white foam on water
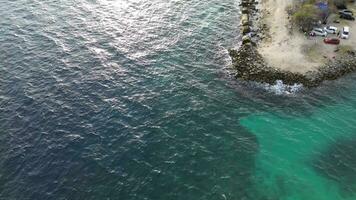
{"points": [[279, 88]]}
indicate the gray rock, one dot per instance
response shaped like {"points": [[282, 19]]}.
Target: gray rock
{"points": [[245, 11], [245, 30], [244, 19]]}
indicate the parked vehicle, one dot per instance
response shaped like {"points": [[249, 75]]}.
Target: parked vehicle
{"points": [[345, 33], [347, 16], [346, 12], [330, 29], [318, 32], [331, 41]]}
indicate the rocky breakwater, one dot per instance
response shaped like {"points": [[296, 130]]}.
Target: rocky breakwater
{"points": [[250, 65]]}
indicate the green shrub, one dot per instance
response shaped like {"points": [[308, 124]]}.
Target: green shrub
{"points": [[340, 3], [306, 16]]}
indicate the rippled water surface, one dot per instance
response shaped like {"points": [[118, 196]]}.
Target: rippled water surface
{"points": [[131, 99]]}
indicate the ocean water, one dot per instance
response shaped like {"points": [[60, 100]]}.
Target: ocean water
{"points": [[132, 99]]}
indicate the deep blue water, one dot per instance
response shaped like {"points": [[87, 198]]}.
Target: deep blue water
{"points": [[132, 99]]}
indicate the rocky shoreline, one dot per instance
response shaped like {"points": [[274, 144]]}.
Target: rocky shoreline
{"points": [[250, 65]]}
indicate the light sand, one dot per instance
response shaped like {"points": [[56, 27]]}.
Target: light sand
{"points": [[283, 49]]}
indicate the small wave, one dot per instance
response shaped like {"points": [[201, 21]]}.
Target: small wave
{"points": [[279, 88]]}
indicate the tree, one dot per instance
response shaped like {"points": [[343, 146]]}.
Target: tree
{"points": [[306, 16], [341, 4]]}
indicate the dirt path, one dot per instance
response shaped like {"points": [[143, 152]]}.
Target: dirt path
{"points": [[284, 50]]}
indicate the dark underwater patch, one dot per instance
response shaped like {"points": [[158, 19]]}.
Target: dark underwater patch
{"points": [[338, 163]]}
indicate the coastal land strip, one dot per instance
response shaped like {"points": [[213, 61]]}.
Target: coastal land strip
{"points": [[272, 51]]}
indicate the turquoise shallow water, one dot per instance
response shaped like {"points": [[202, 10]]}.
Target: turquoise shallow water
{"points": [[306, 157], [131, 99]]}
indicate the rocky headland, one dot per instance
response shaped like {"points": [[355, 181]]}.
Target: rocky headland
{"points": [[251, 65]]}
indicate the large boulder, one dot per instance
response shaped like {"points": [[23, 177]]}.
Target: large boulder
{"points": [[245, 3], [246, 39], [245, 29], [245, 19], [245, 10]]}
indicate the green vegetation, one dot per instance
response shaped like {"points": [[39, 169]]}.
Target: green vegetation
{"points": [[341, 3], [305, 16], [345, 49]]}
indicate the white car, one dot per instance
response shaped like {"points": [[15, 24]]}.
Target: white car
{"points": [[319, 32], [330, 29], [345, 33], [346, 12]]}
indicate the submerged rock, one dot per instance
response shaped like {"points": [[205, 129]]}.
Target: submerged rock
{"points": [[338, 163]]}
